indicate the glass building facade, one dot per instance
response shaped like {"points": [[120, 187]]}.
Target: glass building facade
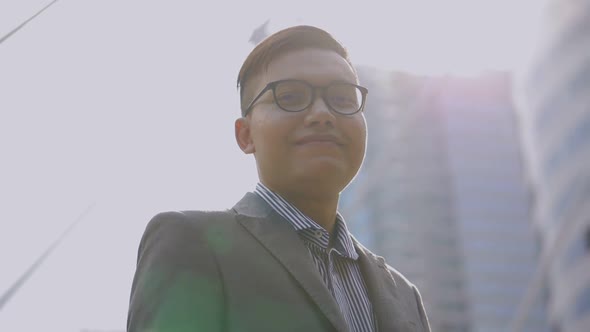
{"points": [[442, 196], [554, 99]]}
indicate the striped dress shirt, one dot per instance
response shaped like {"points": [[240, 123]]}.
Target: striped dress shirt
{"points": [[337, 261]]}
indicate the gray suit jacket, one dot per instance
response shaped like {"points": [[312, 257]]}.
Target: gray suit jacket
{"points": [[246, 269]]}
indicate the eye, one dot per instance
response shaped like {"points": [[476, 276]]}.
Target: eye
{"points": [[344, 96], [343, 99], [292, 94]]}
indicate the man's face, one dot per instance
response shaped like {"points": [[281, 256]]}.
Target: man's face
{"points": [[315, 151]]}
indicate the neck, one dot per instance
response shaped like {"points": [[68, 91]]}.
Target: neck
{"points": [[321, 209]]}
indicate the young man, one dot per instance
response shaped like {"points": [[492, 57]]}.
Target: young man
{"points": [[282, 259]]}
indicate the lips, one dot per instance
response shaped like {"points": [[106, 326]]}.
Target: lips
{"points": [[319, 139]]}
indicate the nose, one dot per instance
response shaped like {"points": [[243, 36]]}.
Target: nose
{"points": [[319, 114]]}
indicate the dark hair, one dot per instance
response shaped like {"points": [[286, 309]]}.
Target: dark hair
{"points": [[284, 41]]}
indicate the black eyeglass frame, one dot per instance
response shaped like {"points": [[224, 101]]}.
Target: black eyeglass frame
{"points": [[272, 86]]}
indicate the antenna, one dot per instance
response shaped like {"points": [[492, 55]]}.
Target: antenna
{"points": [[8, 35], [29, 272]]}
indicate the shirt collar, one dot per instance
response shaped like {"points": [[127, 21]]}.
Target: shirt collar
{"points": [[306, 227]]}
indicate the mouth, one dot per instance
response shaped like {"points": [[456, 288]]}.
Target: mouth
{"points": [[319, 140]]}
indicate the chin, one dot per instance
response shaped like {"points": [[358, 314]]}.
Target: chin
{"points": [[323, 179]]}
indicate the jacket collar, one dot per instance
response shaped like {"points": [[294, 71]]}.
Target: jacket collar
{"points": [[306, 227], [282, 241]]}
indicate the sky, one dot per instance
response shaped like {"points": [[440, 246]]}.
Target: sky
{"points": [[127, 107]]}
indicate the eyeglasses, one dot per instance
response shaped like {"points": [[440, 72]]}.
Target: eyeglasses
{"points": [[296, 95]]}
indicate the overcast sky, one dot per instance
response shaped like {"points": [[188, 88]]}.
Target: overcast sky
{"points": [[129, 105]]}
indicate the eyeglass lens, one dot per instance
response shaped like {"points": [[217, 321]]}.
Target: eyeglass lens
{"points": [[296, 96]]}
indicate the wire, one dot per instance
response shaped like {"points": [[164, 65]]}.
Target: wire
{"points": [[5, 298], [15, 30]]}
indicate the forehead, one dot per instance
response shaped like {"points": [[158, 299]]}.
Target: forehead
{"points": [[316, 66]]}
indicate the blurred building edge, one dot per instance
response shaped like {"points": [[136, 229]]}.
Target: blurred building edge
{"points": [[442, 196], [553, 98]]}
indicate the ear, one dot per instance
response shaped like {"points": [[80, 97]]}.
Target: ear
{"points": [[243, 135]]}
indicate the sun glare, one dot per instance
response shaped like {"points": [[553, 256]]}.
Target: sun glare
{"points": [[431, 38]]}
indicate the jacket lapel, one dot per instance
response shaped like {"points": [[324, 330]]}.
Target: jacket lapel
{"points": [[382, 290], [282, 241]]}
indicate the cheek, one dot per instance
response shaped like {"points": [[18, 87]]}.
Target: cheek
{"points": [[360, 143], [358, 134], [271, 132]]}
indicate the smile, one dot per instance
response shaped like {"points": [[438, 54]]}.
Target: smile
{"points": [[323, 140], [319, 144]]}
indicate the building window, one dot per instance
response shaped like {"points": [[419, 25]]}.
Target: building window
{"points": [[582, 305], [575, 194], [578, 248], [573, 143]]}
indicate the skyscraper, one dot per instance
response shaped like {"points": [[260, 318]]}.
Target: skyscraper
{"points": [[554, 99], [441, 195], [402, 193]]}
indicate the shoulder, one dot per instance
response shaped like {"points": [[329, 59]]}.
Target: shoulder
{"points": [[398, 278], [176, 269], [412, 296], [187, 221], [404, 288], [175, 232]]}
